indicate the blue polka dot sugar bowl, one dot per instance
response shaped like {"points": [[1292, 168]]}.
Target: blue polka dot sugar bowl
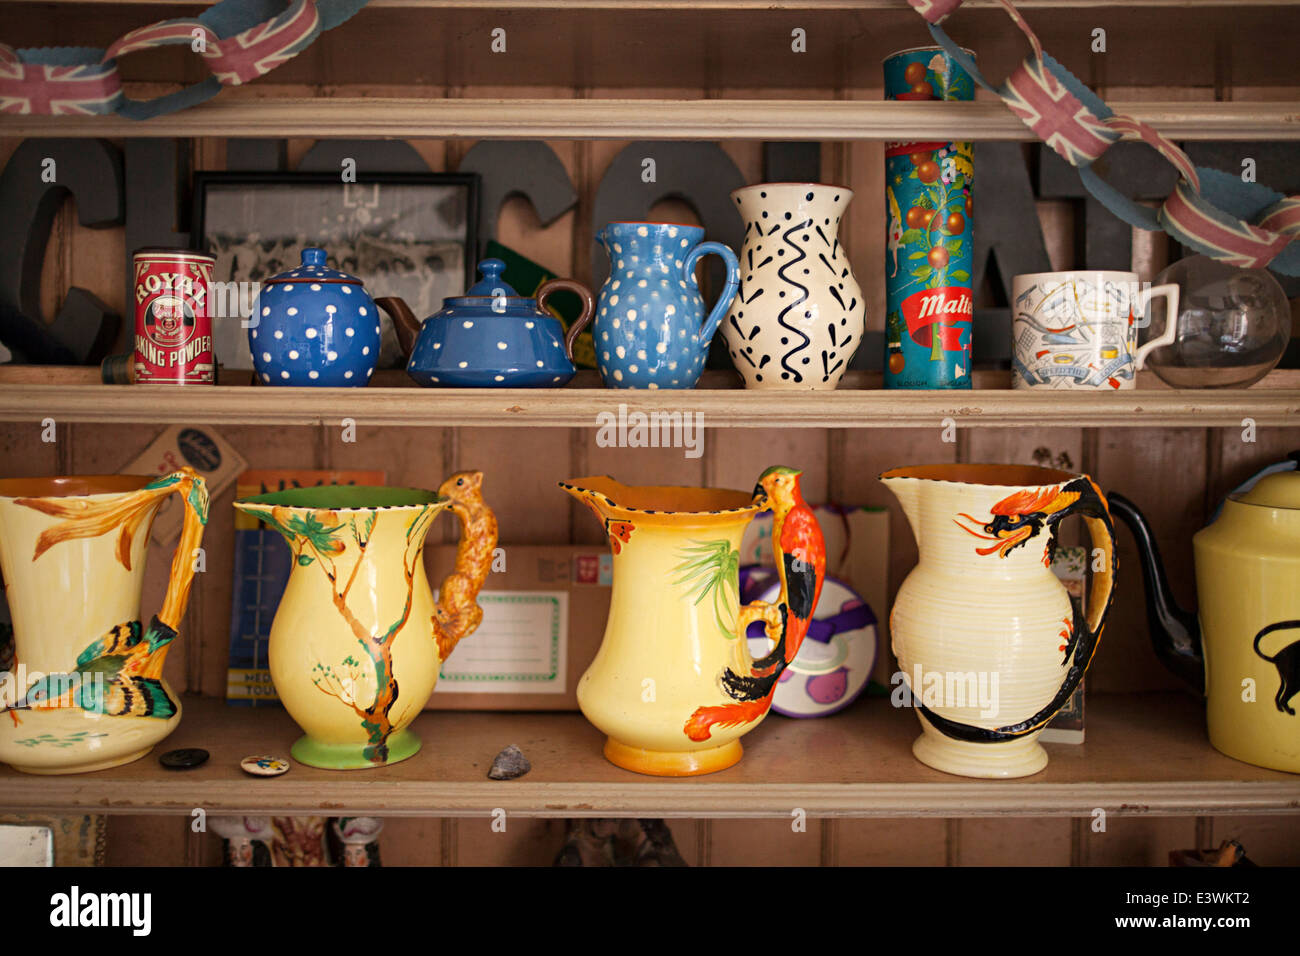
{"points": [[315, 326], [491, 337]]}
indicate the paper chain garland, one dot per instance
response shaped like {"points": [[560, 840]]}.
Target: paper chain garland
{"points": [[242, 40], [1212, 212], [1216, 213]]}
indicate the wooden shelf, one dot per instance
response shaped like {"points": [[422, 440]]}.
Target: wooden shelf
{"points": [[685, 119], [1145, 755], [851, 406]]}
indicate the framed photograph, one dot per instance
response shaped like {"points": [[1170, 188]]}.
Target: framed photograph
{"points": [[406, 234]]}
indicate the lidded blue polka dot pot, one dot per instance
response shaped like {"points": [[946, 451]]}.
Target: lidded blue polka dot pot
{"points": [[491, 337], [314, 326]]}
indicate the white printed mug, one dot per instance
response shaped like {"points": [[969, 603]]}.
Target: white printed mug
{"points": [[1080, 329]]}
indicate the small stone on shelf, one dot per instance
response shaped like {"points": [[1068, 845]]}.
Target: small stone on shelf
{"points": [[509, 764]]}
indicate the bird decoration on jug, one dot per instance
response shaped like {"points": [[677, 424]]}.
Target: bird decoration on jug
{"points": [[802, 569]]}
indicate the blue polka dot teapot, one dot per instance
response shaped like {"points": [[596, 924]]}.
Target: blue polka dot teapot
{"points": [[314, 325], [491, 336]]}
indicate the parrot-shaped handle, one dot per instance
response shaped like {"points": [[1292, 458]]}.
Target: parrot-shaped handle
{"points": [[800, 552]]}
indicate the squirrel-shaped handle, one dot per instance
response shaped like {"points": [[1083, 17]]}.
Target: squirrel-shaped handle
{"points": [[457, 613]]}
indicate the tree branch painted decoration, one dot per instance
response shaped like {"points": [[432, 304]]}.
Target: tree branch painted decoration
{"points": [[1212, 212], [238, 40]]}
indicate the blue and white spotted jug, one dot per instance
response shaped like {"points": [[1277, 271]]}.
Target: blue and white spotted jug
{"points": [[650, 330], [315, 326]]}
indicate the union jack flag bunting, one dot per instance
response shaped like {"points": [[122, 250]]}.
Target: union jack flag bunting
{"points": [[1283, 217], [1195, 222], [156, 34], [1177, 158], [259, 50], [934, 10], [1080, 127], [88, 88], [1058, 117], [236, 59]]}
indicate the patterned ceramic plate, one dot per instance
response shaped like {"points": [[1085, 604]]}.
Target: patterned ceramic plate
{"points": [[834, 663]]}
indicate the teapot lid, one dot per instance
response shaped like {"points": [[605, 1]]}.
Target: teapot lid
{"points": [[313, 268], [491, 285], [491, 297], [1278, 490]]}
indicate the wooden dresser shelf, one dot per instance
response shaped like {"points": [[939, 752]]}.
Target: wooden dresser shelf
{"points": [[1272, 403], [659, 119], [1145, 755]]}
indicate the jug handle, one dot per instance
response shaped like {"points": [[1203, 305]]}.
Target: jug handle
{"points": [[1170, 294], [774, 662], [405, 323], [193, 490], [457, 613], [1101, 532], [728, 290], [588, 307]]}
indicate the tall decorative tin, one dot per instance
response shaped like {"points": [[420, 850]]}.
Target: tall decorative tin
{"points": [[929, 306]]}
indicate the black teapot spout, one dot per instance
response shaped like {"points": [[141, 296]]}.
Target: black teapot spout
{"points": [[1175, 632]]}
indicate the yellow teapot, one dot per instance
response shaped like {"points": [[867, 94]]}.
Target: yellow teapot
{"points": [[1243, 651]]}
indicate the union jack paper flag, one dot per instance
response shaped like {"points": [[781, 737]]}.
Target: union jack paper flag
{"points": [[250, 54], [88, 88], [82, 80], [934, 10], [1194, 221], [1058, 117]]}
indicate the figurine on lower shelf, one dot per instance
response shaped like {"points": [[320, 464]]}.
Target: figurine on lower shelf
{"points": [[298, 841], [245, 841], [354, 841], [602, 842], [1229, 853]]}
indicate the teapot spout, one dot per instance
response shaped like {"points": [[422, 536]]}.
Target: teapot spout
{"points": [[1175, 632], [405, 324]]}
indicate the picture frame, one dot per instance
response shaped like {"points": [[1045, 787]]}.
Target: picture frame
{"points": [[413, 235]]}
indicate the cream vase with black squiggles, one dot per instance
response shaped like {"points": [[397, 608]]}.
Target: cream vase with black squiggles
{"points": [[799, 315]]}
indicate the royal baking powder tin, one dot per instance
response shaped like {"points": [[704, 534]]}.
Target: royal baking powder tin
{"points": [[173, 325], [929, 304]]}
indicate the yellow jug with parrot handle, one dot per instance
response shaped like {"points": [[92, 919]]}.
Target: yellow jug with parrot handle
{"points": [[674, 685], [989, 643], [1242, 650], [72, 551]]}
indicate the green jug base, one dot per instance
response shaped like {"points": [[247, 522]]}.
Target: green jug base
{"points": [[314, 753]]}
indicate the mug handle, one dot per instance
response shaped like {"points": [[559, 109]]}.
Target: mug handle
{"points": [[588, 307], [720, 307], [1170, 294]]}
